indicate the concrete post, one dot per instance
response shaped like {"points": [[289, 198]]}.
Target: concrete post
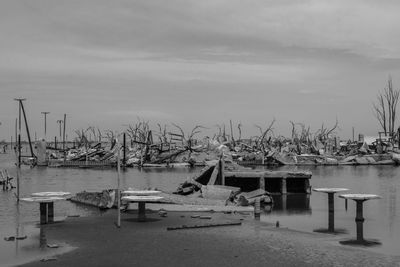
{"points": [[360, 220], [283, 186]]}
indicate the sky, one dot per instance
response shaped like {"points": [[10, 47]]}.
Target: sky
{"points": [[106, 63]]}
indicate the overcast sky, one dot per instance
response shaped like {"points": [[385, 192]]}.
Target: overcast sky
{"points": [[104, 63]]}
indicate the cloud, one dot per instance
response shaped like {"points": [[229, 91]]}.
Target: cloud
{"points": [[202, 59]]}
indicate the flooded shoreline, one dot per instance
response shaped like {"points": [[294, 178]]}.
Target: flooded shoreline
{"points": [[295, 212]]}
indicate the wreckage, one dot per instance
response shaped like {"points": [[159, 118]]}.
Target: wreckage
{"points": [[173, 150]]}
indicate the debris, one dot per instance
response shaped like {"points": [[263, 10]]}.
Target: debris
{"points": [[10, 238], [48, 259], [162, 213], [249, 198], [104, 200], [21, 237], [53, 245], [203, 226], [205, 217], [219, 192]]}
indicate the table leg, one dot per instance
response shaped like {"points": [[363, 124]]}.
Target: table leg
{"points": [[43, 213], [50, 212], [360, 230], [142, 212], [360, 220], [331, 212]]}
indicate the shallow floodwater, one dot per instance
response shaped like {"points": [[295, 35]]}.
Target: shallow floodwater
{"points": [[299, 212]]}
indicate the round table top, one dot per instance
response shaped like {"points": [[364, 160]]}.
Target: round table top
{"points": [[142, 198], [329, 190], [51, 194], [141, 192], [360, 196], [42, 199]]}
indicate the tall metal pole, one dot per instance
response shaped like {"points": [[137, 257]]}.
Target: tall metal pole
{"points": [[16, 132], [65, 120], [59, 123], [19, 145], [124, 152], [45, 125], [118, 185], [27, 128]]}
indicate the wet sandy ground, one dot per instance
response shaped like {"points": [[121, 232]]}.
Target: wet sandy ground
{"points": [[253, 243]]}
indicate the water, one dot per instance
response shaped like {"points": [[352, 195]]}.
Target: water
{"points": [[299, 212]]}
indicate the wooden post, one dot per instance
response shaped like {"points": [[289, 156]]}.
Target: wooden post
{"points": [[55, 142]]}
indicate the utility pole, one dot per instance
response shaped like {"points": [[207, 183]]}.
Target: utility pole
{"points": [[45, 125], [60, 122], [19, 144], [65, 119]]}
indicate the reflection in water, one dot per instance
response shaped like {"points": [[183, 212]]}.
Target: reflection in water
{"points": [[297, 211], [42, 238], [17, 226], [292, 204]]}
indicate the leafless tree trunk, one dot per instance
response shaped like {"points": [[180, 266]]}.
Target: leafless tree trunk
{"points": [[386, 106]]}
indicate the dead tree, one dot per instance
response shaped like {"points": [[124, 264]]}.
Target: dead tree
{"points": [[188, 139], [385, 108], [240, 131], [260, 141]]}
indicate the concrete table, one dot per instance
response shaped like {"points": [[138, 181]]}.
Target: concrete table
{"points": [[359, 199], [46, 205], [141, 200], [141, 192], [331, 209], [51, 194]]}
